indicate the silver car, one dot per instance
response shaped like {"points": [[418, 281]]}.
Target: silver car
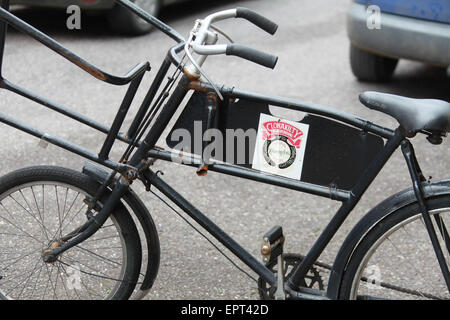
{"points": [[120, 19], [407, 29]]}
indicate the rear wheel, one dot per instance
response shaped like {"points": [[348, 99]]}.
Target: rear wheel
{"points": [[124, 21], [367, 66], [39, 205], [396, 260]]}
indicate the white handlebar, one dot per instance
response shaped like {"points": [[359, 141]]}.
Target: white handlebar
{"points": [[203, 38]]}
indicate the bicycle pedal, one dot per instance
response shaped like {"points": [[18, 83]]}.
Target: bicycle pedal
{"points": [[272, 246]]}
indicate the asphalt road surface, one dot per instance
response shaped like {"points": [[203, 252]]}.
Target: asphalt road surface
{"points": [[313, 66]]}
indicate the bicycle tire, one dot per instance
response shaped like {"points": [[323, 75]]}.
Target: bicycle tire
{"points": [[85, 272], [415, 277]]}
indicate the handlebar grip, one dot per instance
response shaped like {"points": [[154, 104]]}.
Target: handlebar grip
{"points": [[257, 19], [259, 57]]}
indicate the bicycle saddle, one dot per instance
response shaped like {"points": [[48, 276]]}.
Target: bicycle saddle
{"points": [[413, 115]]}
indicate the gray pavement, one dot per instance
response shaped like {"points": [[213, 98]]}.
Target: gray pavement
{"points": [[313, 66]]}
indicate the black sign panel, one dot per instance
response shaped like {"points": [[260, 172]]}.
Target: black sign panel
{"points": [[336, 154]]}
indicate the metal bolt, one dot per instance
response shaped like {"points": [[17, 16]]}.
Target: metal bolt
{"points": [[265, 249]]}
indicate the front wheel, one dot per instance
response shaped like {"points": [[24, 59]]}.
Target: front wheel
{"points": [[38, 206], [395, 258]]}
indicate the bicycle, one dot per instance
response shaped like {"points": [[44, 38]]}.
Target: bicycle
{"points": [[91, 246]]}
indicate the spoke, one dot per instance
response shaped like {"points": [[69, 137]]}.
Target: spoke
{"points": [[407, 241], [35, 202], [16, 277], [404, 290], [28, 278], [38, 279], [100, 239], [65, 215], [108, 226], [62, 281], [443, 230], [71, 205], [20, 276], [89, 291], [403, 257], [65, 201], [59, 214], [56, 281], [39, 211], [30, 214], [15, 226], [76, 214], [14, 234], [20, 258], [104, 248], [46, 286], [44, 229], [49, 273], [43, 204], [67, 275], [95, 275], [98, 256]]}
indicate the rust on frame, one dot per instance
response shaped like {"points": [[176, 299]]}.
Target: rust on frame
{"points": [[198, 86], [89, 69], [202, 171]]}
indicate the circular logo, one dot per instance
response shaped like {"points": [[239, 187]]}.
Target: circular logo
{"points": [[278, 152]]}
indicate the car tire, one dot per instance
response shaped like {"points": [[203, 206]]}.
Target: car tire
{"points": [[370, 67], [123, 21]]}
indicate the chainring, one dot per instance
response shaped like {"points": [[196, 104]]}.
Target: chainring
{"points": [[312, 280]]}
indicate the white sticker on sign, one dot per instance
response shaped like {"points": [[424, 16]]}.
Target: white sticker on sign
{"points": [[280, 146]]}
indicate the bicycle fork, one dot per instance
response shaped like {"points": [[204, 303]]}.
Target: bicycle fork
{"points": [[138, 163], [89, 228], [417, 179]]}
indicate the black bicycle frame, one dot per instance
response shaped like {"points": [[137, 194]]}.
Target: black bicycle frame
{"points": [[348, 198], [146, 148]]}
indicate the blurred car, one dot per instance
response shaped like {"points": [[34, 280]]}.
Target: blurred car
{"points": [[120, 19], [408, 29]]}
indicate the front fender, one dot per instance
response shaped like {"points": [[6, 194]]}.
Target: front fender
{"points": [[148, 226], [382, 210]]}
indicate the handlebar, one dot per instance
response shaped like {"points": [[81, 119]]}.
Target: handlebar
{"points": [[204, 36], [202, 40], [238, 50], [257, 19], [259, 57]]}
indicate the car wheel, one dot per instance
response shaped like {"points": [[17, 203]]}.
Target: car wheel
{"points": [[367, 66], [123, 21]]}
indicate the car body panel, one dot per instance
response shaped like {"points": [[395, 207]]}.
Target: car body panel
{"points": [[433, 10], [400, 36], [83, 4]]}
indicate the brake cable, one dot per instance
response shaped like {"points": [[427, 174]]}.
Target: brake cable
{"points": [[203, 235]]}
